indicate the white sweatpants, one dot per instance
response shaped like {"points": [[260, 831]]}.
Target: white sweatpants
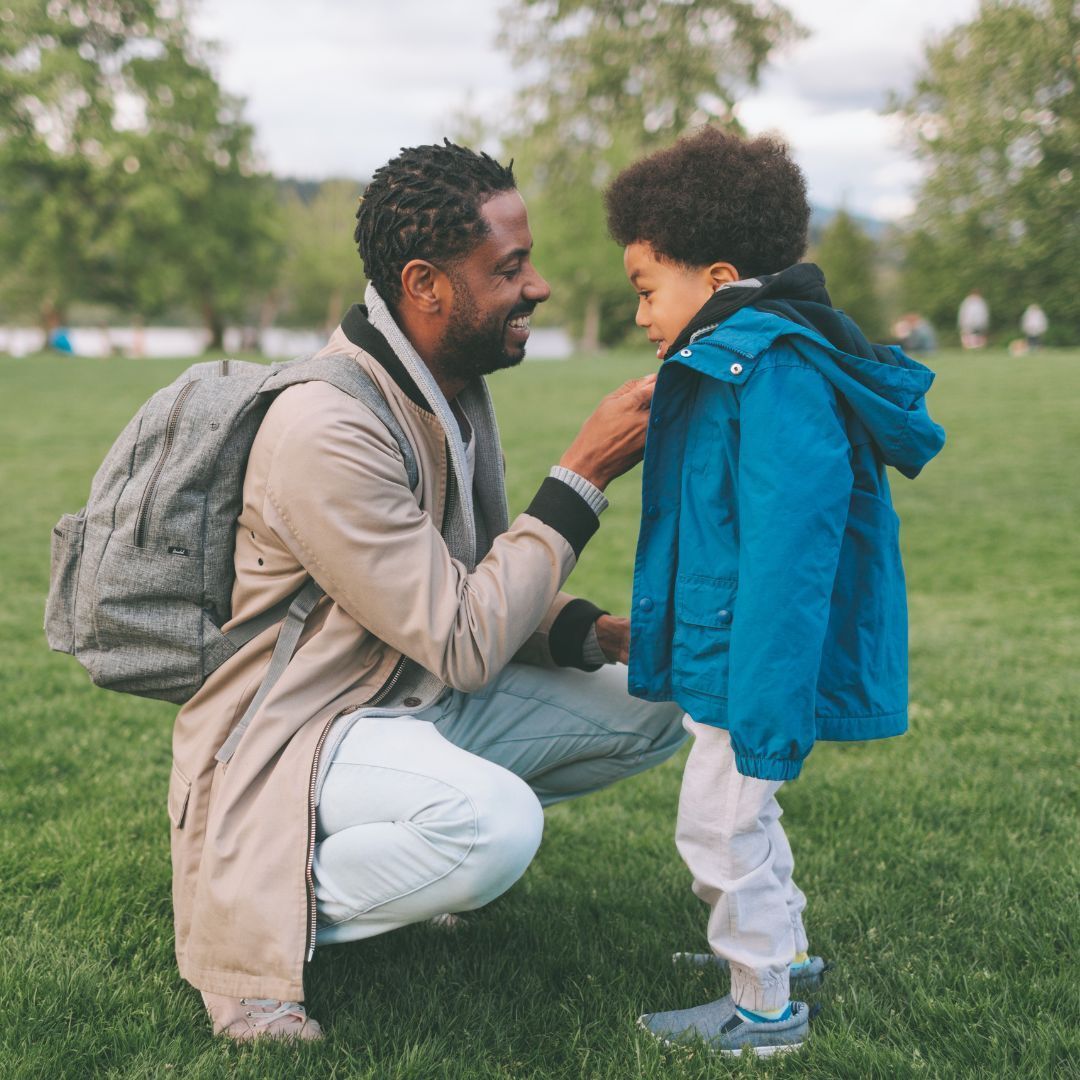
{"points": [[443, 812], [729, 835]]}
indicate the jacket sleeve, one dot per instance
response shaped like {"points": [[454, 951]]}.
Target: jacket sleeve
{"points": [[559, 640], [338, 497], [795, 482]]}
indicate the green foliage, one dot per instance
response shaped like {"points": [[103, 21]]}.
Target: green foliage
{"points": [[941, 867], [128, 176], [849, 258], [615, 79], [995, 116], [322, 272]]}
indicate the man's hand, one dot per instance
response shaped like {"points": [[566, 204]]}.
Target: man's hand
{"points": [[612, 440], [613, 637]]}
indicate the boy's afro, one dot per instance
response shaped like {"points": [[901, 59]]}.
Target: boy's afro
{"points": [[714, 197]]}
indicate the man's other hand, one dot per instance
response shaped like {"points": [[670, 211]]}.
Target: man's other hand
{"points": [[613, 637], [612, 440]]}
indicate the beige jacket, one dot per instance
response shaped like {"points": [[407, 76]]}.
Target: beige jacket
{"points": [[326, 494]]}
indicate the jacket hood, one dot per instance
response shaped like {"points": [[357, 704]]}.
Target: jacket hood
{"points": [[883, 386]]}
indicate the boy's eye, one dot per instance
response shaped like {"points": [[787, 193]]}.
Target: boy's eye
{"points": [[644, 294]]}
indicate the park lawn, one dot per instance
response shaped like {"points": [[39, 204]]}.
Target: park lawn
{"points": [[942, 867]]}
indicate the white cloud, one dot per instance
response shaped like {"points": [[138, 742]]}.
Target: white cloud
{"points": [[338, 86]]}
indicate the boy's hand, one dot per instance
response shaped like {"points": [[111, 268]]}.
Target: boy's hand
{"points": [[613, 637], [612, 440]]}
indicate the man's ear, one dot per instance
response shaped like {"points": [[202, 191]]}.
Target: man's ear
{"points": [[425, 287], [722, 273]]}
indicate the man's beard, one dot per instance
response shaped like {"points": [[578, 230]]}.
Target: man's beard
{"points": [[472, 346]]}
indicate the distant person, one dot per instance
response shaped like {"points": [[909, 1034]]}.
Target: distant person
{"points": [[973, 320], [60, 341], [914, 333], [1033, 325], [769, 596]]}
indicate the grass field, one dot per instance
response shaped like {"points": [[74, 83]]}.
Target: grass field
{"points": [[942, 868]]}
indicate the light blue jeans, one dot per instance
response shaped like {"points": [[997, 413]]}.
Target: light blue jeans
{"points": [[442, 812]]}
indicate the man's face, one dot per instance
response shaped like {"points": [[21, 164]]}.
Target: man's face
{"points": [[496, 288], [669, 294]]}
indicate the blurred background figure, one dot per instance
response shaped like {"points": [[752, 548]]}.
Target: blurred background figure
{"points": [[914, 333], [60, 341], [1033, 324], [973, 319]]}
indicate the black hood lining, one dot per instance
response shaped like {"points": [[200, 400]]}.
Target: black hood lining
{"points": [[359, 330]]}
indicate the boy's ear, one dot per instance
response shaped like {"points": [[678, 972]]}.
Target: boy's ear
{"points": [[722, 273]]}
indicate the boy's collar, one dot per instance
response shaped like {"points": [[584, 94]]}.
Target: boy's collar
{"points": [[803, 281]]}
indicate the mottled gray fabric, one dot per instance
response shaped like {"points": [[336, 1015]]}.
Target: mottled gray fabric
{"points": [[142, 577]]}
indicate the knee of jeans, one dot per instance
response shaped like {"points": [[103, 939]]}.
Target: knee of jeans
{"points": [[509, 826]]}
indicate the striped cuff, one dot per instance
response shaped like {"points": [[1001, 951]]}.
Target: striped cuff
{"points": [[588, 491], [591, 653]]}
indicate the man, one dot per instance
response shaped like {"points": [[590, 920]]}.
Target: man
{"points": [[398, 767]]}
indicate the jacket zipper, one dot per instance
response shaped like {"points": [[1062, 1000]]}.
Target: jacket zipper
{"points": [[147, 502], [380, 695]]}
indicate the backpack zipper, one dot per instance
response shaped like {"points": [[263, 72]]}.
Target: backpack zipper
{"points": [[151, 487]]}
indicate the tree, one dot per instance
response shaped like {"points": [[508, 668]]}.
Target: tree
{"points": [[322, 272], [995, 117], [615, 79], [849, 258], [127, 175]]}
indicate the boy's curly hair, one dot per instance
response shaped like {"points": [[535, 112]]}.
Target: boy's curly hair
{"points": [[714, 197], [425, 204]]}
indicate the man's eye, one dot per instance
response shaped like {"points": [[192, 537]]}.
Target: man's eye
{"points": [[511, 272]]}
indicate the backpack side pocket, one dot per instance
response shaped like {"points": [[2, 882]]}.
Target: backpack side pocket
{"points": [[67, 547]]}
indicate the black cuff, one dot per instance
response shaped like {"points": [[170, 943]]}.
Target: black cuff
{"points": [[560, 506], [566, 637]]}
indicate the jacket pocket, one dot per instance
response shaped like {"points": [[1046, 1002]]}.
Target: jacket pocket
{"points": [[704, 614], [67, 548], [179, 793]]}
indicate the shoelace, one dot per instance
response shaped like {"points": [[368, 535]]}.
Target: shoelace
{"points": [[284, 1009]]}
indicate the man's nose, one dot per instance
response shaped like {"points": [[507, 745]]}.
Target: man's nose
{"points": [[537, 289]]}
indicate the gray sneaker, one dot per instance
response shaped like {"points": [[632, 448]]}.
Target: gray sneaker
{"points": [[725, 1032], [806, 977]]}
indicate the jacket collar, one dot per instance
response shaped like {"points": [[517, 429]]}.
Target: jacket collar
{"points": [[360, 331], [803, 281]]}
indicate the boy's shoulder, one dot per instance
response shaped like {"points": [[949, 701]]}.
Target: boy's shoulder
{"points": [[749, 340]]}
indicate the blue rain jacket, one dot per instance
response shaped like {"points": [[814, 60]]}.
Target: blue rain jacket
{"points": [[769, 594]]}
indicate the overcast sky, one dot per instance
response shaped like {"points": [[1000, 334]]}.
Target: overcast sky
{"points": [[335, 87]]}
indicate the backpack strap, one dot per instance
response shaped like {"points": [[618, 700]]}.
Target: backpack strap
{"points": [[349, 377], [288, 638]]}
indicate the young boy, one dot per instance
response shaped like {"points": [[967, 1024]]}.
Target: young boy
{"points": [[769, 595]]}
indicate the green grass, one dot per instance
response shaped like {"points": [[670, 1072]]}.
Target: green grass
{"points": [[942, 868]]}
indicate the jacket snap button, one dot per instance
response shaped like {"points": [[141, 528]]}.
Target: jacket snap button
{"points": [[736, 369], [645, 604], [411, 702], [686, 352], [724, 616]]}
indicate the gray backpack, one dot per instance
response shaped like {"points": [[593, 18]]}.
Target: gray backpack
{"points": [[142, 576]]}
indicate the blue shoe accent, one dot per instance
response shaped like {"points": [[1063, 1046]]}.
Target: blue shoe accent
{"points": [[757, 1018], [723, 1031]]}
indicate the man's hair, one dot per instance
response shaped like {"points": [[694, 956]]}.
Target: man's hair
{"points": [[425, 204], [714, 197]]}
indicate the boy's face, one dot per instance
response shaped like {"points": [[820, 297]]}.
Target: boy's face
{"points": [[669, 293]]}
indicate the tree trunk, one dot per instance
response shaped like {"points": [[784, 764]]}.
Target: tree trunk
{"points": [[334, 309], [590, 330], [215, 327]]}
